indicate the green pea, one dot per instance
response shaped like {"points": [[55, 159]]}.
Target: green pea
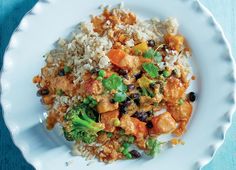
{"points": [[86, 101], [122, 132], [102, 73], [157, 57], [128, 156], [181, 101], [155, 104], [126, 145], [137, 52], [99, 78], [125, 151], [90, 97], [121, 149], [109, 134], [67, 69], [59, 92], [166, 73], [116, 122], [102, 132], [94, 102], [131, 139]]}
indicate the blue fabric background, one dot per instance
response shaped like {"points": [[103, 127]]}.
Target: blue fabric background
{"points": [[11, 12]]}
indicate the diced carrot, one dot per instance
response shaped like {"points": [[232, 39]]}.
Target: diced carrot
{"points": [[108, 119], [116, 55]]}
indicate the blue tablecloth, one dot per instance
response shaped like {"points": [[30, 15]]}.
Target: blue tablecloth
{"points": [[11, 12]]}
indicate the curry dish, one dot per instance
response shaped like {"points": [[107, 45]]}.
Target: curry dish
{"points": [[118, 85]]}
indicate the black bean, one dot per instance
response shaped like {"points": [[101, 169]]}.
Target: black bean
{"points": [[112, 101], [161, 83], [61, 72], [127, 99], [126, 77], [95, 70], [122, 109], [149, 125], [151, 43], [149, 113], [41, 101], [136, 114], [127, 103], [137, 102], [135, 95], [175, 72], [115, 69], [138, 75], [42, 92], [142, 116], [192, 96], [131, 87], [139, 89], [123, 72], [135, 154], [152, 85], [164, 47]]}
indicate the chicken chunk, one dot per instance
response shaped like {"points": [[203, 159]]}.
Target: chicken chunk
{"points": [[173, 90], [180, 112], [133, 126], [181, 128], [130, 62], [108, 119], [105, 105], [146, 103], [92, 86], [62, 83], [163, 123]]}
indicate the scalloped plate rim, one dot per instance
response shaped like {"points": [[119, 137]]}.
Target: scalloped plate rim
{"points": [[205, 11]]}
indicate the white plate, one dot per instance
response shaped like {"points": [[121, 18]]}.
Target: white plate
{"points": [[212, 62]]}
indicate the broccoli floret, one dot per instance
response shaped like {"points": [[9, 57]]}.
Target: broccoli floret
{"points": [[80, 124]]}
